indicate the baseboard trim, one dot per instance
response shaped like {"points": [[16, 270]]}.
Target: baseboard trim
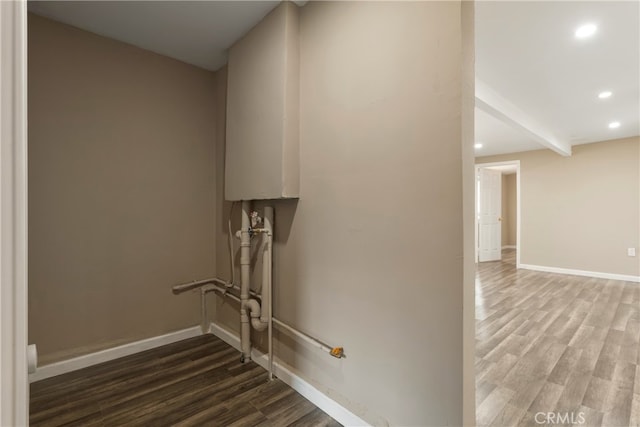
{"points": [[281, 370], [284, 373], [596, 274], [509, 247], [59, 368]]}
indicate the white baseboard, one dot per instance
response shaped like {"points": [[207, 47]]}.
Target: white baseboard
{"points": [[281, 370], [284, 373], [59, 368], [509, 247], [623, 277]]}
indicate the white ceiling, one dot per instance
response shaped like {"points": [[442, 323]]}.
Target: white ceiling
{"points": [[195, 32], [497, 137], [526, 54]]}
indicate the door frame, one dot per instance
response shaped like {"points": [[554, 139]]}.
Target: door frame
{"points": [[14, 383], [478, 166]]}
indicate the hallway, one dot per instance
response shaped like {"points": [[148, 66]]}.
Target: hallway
{"points": [[552, 343]]}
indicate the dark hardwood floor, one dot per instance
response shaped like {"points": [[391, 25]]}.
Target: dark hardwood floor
{"points": [[196, 382]]}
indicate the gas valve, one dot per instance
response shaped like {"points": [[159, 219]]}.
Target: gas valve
{"points": [[337, 352]]}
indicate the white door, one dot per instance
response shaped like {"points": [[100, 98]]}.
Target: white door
{"points": [[489, 211]]}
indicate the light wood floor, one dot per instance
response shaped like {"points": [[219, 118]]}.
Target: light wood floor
{"points": [[555, 343], [196, 382]]}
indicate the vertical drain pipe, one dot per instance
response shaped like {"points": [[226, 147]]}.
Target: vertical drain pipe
{"points": [[245, 277], [267, 277], [204, 325]]}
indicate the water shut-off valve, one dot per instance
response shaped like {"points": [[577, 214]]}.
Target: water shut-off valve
{"points": [[256, 220], [256, 223]]}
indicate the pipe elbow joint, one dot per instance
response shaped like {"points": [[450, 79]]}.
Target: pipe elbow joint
{"points": [[253, 307], [255, 310], [257, 324]]}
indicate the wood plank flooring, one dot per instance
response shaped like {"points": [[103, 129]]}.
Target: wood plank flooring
{"points": [[196, 382], [555, 343]]}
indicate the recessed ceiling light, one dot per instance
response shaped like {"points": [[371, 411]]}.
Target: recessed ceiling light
{"points": [[586, 30], [478, 145], [605, 94], [614, 125]]}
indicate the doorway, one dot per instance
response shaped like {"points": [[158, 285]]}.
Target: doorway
{"points": [[497, 210]]}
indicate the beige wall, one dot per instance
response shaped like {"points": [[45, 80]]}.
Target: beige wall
{"points": [[468, 214], [581, 212], [121, 190], [263, 107], [509, 221], [371, 256]]}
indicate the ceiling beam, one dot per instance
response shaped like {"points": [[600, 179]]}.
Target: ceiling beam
{"points": [[495, 105]]}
